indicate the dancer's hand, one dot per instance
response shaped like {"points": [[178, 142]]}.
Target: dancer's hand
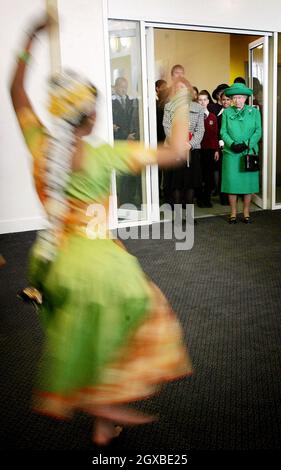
{"points": [[178, 85], [17, 89], [47, 22]]}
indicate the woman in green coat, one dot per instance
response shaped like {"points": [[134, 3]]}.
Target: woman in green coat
{"points": [[241, 132]]}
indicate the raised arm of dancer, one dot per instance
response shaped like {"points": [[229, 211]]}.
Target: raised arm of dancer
{"points": [[33, 131], [18, 93]]}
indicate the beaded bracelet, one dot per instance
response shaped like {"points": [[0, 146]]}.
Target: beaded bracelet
{"points": [[24, 56]]}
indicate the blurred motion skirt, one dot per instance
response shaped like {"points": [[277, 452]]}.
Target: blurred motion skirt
{"points": [[110, 334]]}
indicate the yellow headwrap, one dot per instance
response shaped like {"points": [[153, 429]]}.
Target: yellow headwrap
{"points": [[71, 97]]}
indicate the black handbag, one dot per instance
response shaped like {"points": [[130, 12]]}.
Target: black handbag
{"points": [[252, 162]]}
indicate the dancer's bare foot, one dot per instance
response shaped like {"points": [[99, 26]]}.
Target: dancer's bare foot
{"points": [[108, 415], [122, 415], [105, 431], [118, 430]]}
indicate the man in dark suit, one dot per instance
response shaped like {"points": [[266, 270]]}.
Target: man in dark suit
{"points": [[125, 113]]}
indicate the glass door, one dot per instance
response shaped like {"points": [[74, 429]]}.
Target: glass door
{"points": [[258, 80], [129, 116], [154, 170], [276, 164]]}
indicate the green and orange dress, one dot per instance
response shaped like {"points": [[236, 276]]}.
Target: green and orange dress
{"points": [[110, 334]]}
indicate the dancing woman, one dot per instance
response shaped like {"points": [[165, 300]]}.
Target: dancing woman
{"points": [[110, 335]]}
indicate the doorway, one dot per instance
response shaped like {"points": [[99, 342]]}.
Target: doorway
{"points": [[210, 59], [143, 53]]}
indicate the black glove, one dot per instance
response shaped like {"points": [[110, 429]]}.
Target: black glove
{"points": [[238, 148]]}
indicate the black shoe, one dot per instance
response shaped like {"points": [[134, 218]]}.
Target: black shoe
{"points": [[247, 220], [232, 220]]}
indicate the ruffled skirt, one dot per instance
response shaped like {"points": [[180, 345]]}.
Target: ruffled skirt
{"points": [[110, 334]]}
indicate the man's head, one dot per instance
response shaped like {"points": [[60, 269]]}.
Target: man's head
{"points": [[121, 86], [240, 80], [177, 72]]}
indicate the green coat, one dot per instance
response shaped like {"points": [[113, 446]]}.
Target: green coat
{"points": [[239, 126]]}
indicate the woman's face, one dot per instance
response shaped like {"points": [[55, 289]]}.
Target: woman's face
{"points": [[225, 101], [239, 101]]}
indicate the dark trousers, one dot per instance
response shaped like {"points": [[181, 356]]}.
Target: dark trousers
{"points": [[207, 169], [167, 186], [223, 196], [129, 190]]}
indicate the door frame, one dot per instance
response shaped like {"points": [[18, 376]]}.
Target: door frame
{"points": [[273, 76], [150, 137], [262, 201], [150, 58], [128, 217], [270, 131]]}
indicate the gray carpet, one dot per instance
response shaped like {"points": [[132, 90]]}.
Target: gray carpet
{"points": [[226, 292]]}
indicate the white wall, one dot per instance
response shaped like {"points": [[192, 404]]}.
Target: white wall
{"points": [[83, 48], [19, 207], [195, 51], [249, 14]]}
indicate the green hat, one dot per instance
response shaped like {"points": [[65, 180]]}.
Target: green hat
{"points": [[238, 89]]}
